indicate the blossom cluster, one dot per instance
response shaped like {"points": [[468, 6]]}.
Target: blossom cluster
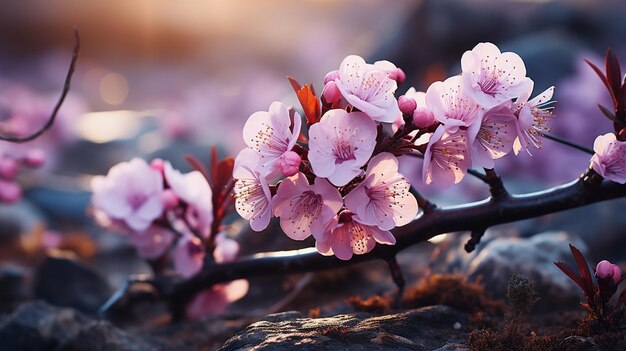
{"points": [[168, 216], [10, 190], [339, 181]]}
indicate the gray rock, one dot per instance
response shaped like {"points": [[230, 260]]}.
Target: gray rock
{"points": [[65, 281], [422, 329], [38, 326], [103, 336], [533, 257]]}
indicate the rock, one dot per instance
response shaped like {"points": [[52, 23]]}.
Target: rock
{"points": [[64, 281], [102, 335], [15, 287], [38, 326], [426, 328], [533, 257]]}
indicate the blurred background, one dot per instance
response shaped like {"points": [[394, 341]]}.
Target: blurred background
{"points": [[165, 78]]}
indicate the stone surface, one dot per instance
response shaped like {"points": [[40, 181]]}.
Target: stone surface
{"points": [[533, 257], [64, 281], [422, 329]]}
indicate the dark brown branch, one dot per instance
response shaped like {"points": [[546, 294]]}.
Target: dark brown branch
{"points": [[568, 143], [66, 88], [462, 218]]}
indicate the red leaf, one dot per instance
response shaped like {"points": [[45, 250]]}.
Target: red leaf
{"points": [[603, 78], [573, 276], [583, 267], [198, 166], [606, 112], [613, 73], [310, 102]]}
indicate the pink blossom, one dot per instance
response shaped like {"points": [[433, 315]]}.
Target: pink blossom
{"points": [[188, 255], [491, 77], [331, 93], [213, 301], [226, 249], [290, 163], [407, 105], [392, 71], [606, 270], [131, 192], [195, 191], [609, 161], [533, 118], [252, 193], [306, 209], [153, 242], [451, 105], [447, 158], [422, 115], [10, 191], [347, 237], [368, 88], [383, 198], [340, 144], [269, 134], [496, 135]]}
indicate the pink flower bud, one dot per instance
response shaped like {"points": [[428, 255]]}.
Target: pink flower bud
{"points": [[423, 117], [604, 269], [170, 199], [158, 165], [331, 93], [8, 168], [9, 192], [398, 75], [35, 158], [290, 163], [406, 104], [331, 76], [617, 274]]}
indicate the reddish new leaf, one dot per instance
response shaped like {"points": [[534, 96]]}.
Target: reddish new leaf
{"points": [[573, 276], [583, 267], [603, 78], [606, 112], [613, 73], [310, 103], [198, 166]]}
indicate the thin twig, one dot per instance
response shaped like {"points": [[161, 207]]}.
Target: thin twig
{"points": [[568, 143], [66, 88]]}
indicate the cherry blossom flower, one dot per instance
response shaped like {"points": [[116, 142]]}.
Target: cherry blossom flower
{"points": [[533, 118], [193, 189], [447, 158], [252, 192], [346, 236], [340, 144], [610, 158], [451, 106], [290, 163], [368, 88], [153, 242], [213, 301], [188, 255], [495, 137], [383, 198], [306, 209], [491, 77], [269, 134], [131, 192], [422, 115]]}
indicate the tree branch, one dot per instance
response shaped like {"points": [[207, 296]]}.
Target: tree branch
{"points": [[66, 88], [468, 217]]}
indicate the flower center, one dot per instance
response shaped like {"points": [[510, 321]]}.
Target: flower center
{"points": [[344, 151]]}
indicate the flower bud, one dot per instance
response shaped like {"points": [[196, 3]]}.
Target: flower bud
{"points": [[406, 104], [331, 76], [331, 92], [8, 168], [158, 165], [605, 270], [9, 192], [35, 158], [290, 163], [398, 75], [423, 117], [170, 199]]}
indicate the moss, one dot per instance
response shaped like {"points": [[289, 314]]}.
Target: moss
{"points": [[455, 291]]}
